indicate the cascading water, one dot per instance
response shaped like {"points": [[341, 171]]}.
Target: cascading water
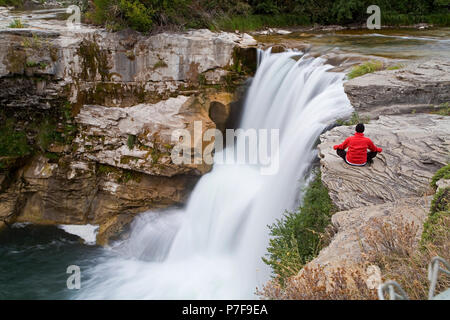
{"points": [[212, 248]]}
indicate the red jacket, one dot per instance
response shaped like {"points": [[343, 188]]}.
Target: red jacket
{"points": [[357, 148]]}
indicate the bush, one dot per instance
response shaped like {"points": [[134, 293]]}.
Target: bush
{"points": [[13, 143], [318, 284], [298, 236], [146, 15], [441, 201], [7, 3], [355, 119], [16, 24]]}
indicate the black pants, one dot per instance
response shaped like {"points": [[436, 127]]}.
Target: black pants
{"points": [[370, 155]]}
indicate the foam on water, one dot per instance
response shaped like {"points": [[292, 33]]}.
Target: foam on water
{"points": [[86, 232]]}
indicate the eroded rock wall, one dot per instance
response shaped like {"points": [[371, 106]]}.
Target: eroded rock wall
{"points": [[126, 93]]}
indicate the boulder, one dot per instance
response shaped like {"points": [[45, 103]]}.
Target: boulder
{"points": [[139, 138], [414, 148]]}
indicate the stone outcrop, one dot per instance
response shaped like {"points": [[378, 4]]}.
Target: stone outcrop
{"points": [[139, 138], [416, 87], [353, 226], [126, 94], [393, 190], [414, 148]]}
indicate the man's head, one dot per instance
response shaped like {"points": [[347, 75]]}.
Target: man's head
{"points": [[360, 128]]}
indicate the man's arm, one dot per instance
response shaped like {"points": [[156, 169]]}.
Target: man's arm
{"points": [[373, 147], [343, 145]]}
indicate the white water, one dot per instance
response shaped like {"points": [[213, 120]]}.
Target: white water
{"points": [[212, 248]]}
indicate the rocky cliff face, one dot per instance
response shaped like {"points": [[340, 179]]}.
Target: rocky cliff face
{"points": [[114, 100], [417, 87]]}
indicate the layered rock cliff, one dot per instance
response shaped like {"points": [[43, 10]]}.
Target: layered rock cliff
{"points": [[98, 110]]}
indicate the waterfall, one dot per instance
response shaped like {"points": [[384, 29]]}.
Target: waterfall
{"points": [[212, 248]]}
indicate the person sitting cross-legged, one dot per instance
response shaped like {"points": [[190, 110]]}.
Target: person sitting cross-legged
{"points": [[357, 145]]}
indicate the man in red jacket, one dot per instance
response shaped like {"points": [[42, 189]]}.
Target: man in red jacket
{"points": [[357, 154]]}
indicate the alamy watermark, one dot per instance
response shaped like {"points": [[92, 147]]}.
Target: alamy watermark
{"points": [[74, 280], [374, 21], [241, 146], [74, 20]]}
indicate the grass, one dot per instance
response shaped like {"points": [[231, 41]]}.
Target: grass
{"points": [[13, 143], [396, 67], [297, 237], [131, 141], [355, 119], [366, 67], [16, 24], [442, 109], [159, 64]]}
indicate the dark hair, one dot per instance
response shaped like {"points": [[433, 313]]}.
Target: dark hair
{"points": [[360, 128]]}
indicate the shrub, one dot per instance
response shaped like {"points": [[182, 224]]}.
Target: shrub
{"points": [[401, 260], [442, 109], [355, 119], [442, 173], [317, 284], [441, 201], [298, 236], [131, 141], [15, 3], [47, 135], [13, 143], [16, 24]]}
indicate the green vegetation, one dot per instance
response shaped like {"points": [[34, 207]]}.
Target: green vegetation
{"points": [[48, 131], [7, 3], [443, 109], [13, 143], [441, 201], [371, 66], [159, 64], [34, 42], [442, 173], [366, 67], [17, 24], [244, 15], [131, 141], [298, 236], [396, 67], [434, 225], [355, 119]]}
